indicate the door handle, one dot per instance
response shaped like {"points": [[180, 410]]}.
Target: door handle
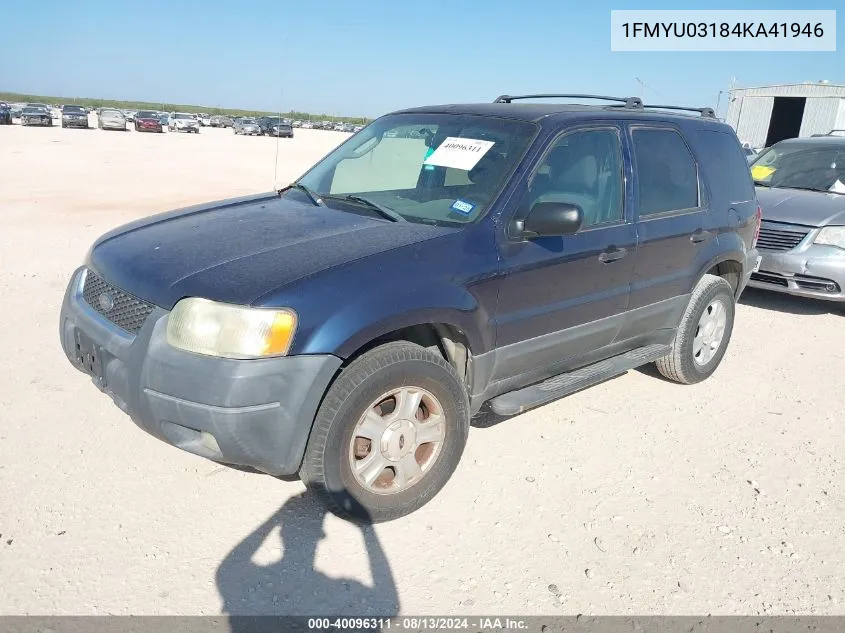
{"points": [[700, 236], [612, 254]]}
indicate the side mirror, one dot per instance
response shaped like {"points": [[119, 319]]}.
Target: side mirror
{"points": [[548, 219]]}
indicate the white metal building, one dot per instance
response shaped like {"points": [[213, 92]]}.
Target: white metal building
{"points": [[765, 115]]}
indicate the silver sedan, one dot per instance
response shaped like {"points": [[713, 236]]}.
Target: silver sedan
{"points": [[111, 119]]}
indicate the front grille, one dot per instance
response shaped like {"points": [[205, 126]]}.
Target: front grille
{"points": [[780, 237], [769, 278], [126, 312]]}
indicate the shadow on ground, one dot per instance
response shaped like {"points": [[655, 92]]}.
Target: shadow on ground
{"points": [[787, 303], [292, 586]]}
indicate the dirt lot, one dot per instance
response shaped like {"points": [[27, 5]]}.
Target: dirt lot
{"points": [[637, 496]]}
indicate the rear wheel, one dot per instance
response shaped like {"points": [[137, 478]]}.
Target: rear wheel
{"points": [[389, 434], [704, 333]]}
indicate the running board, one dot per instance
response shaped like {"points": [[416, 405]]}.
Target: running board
{"points": [[556, 387]]}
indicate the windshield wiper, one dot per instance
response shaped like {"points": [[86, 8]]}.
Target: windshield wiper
{"points": [[762, 184], [810, 189], [387, 212], [312, 196]]}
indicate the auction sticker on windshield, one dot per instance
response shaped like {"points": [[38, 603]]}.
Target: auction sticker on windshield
{"points": [[459, 153]]}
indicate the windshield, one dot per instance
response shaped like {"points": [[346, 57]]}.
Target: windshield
{"points": [[29, 110], [814, 166], [273, 120], [74, 109], [146, 114], [106, 112], [436, 168], [248, 121]]}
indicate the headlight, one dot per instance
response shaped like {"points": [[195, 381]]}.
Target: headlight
{"points": [[221, 329], [831, 236]]}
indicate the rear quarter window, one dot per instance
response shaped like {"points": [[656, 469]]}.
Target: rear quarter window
{"points": [[725, 165]]}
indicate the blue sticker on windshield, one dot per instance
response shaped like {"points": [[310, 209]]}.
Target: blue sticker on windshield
{"points": [[462, 207], [425, 158]]}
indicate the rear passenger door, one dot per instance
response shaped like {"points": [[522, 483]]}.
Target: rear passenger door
{"points": [[670, 203]]}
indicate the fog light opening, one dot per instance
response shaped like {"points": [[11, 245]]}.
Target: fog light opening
{"points": [[830, 287], [209, 442]]}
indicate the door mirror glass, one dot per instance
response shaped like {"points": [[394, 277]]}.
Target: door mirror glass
{"points": [[552, 219]]}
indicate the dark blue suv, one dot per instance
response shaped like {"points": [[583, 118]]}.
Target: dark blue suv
{"points": [[346, 328]]}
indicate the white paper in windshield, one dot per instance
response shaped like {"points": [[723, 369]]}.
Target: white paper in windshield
{"points": [[459, 153]]}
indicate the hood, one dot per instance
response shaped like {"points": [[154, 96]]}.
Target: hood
{"points": [[811, 208], [238, 250], [184, 121]]}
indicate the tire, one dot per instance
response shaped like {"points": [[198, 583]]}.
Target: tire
{"points": [[63, 125], [327, 467], [683, 364]]}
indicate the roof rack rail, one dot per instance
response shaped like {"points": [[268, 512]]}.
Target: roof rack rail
{"points": [[705, 112], [628, 102]]}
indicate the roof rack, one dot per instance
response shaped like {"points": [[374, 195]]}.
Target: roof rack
{"points": [[705, 112], [628, 102], [624, 102]]}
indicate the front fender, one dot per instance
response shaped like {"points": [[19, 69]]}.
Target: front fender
{"points": [[378, 312]]}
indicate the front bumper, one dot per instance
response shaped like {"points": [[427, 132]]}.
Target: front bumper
{"points": [[75, 122], [36, 121], [149, 128], [808, 271], [255, 413]]}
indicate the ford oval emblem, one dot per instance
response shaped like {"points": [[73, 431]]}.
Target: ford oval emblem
{"points": [[106, 301]]}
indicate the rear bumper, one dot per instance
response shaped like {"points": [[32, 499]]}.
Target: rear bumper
{"points": [[808, 271], [255, 413]]}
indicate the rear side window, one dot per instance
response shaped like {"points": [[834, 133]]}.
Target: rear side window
{"points": [[725, 165], [666, 172]]}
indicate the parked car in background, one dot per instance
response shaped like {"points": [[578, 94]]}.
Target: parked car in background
{"points": [[296, 123], [247, 126], [307, 125], [74, 116], [36, 116], [215, 120], [750, 152], [148, 121], [42, 106], [357, 128], [509, 249], [164, 117], [226, 122], [801, 189], [205, 120], [183, 122], [112, 119], [275, 126], [5, 114], [17, 108]]}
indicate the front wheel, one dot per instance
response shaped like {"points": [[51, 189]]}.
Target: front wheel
{"points": [[389, 433], [704, 333]]}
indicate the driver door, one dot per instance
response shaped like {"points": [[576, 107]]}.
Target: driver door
{"points": [[562, 300]]}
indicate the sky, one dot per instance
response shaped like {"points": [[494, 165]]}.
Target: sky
{"points": [[368, 57]]}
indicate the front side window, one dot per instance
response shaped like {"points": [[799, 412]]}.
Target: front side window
{"points": [[434, 168], [666, 171], [814, 166], [583, 168]]}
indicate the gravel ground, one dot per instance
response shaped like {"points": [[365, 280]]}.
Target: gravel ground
{"points": [[636, 496]]}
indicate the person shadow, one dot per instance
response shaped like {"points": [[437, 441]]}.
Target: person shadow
{"points": [[292, 586]]}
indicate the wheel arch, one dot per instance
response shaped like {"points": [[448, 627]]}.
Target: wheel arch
{"points": [[728, 265]]}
